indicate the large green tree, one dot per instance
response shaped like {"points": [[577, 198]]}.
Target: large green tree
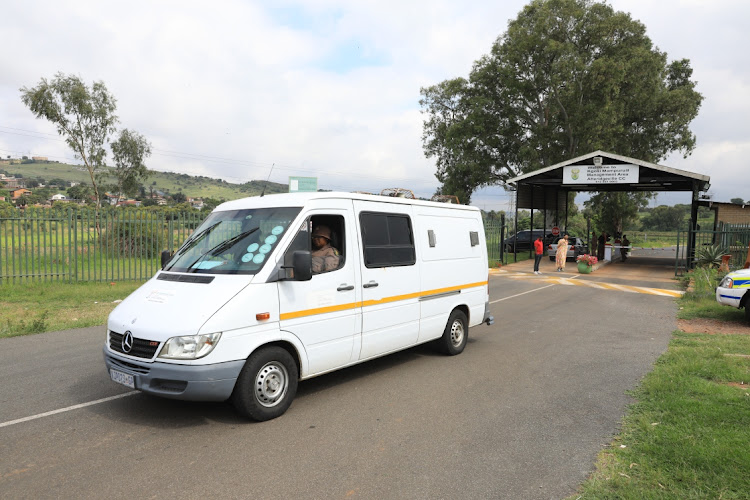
{"points": [[568, 77]]}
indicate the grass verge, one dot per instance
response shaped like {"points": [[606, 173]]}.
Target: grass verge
{"points": [[49, 306], [688, 434]]}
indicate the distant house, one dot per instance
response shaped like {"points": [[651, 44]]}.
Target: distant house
{"points": [[58, 197], [39, 158], [14, 183], [129, 203], [17, 193]]}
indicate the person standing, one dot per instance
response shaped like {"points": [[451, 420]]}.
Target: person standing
{"points": [[539, 253], [624, 248], [562, 253]]}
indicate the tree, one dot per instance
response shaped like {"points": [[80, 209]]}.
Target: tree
{"points": [[179, 197], [84, 117], [737, 201], [568, 77], [129, 151], [80, 192], [664, 218], [614, 211]]}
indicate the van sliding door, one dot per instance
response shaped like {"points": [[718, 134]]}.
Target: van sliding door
{"points": [[390, 277]]}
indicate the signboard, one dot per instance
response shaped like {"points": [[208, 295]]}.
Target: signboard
{"points": [[303, 184], [605, 174], [555, 231]]}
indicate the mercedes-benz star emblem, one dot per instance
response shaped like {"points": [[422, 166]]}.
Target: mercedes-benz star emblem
{"points": [[127, 342]]}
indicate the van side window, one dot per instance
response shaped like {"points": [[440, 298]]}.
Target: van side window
{"points": [[388, 240]]}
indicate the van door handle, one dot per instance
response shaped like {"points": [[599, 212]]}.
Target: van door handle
{"points": [[371, 284], [344, 287]]}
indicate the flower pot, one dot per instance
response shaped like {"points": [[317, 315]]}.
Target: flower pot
{"points": [[584, 268]]}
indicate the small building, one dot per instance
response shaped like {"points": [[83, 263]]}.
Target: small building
{"points": [[129, 203], [39, 158], [58, 197], [17, 193], [14, 183], [728, 213]]}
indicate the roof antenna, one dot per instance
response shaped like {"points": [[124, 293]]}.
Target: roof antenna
{"points": [[266, 184]]}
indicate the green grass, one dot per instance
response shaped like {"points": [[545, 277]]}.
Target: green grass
{"points": [[49, 306], [695, 306], [688, 434]]}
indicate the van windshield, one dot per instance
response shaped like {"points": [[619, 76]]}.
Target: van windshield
{"points": [[233, 241]]}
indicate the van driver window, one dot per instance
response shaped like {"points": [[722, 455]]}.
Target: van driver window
{"points": [[323, 236]]}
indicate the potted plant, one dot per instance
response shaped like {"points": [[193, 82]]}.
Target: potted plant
{"points": [[586, 263]]}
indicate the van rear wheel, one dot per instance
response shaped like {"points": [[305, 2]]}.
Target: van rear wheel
{"points": [[267, 384], [455, 335]]}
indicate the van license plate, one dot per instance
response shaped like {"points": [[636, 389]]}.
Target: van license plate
{"points": [[122, 378]]}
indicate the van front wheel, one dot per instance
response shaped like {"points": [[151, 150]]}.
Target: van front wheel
{"points": [[266, 385], [456, 334]]}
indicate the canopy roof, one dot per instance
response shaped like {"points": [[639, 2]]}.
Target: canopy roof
{"points": [[601, 171]]}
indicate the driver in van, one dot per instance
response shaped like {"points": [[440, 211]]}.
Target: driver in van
{"points": [[324, 257]]}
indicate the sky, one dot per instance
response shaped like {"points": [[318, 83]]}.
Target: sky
{"points": [[247, 90]]}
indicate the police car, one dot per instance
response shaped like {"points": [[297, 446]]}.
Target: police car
{"points": [[732, 291]]}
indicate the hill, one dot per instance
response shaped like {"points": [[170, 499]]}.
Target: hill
{"points": [[168, 182]]}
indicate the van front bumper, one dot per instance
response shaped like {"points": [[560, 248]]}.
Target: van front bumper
{"points": [[186, 382]]}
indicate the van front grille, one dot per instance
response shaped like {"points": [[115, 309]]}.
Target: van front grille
{"points": [[141, 348]]}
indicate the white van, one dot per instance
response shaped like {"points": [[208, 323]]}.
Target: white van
{"points": [[239, 313]]}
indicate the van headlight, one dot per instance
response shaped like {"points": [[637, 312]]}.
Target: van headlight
{"points": [[189, 346], [727, 282]]}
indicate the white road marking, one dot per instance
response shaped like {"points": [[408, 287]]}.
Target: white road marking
{"points": [[522, 293], [63, 410]]}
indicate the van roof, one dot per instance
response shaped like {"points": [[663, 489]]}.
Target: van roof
{"points": [[300, 199]]}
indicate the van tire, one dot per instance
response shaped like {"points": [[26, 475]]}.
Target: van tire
{"points": [[747, 311], [455, 335], [266, 385]]}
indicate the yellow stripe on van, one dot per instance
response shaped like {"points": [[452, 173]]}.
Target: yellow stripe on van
{"points": [[385, 300]]}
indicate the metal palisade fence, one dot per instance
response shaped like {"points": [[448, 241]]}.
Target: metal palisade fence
{"points": [[732, 239], [81, 244]]}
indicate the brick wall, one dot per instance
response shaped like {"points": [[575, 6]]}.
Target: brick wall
{"points": [[733, 214]]}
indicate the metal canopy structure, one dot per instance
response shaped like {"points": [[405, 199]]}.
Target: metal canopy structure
{"points": [[600, 171]]}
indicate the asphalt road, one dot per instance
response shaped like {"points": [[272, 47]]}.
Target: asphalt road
{"points": [[521, 413]]}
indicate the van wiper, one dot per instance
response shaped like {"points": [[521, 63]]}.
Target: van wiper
{"points": [[196, 238], [224, 245]]}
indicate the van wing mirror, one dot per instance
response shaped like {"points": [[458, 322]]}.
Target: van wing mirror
{"points": [[301, 268]]}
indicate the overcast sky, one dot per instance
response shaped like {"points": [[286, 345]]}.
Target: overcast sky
{"points": [[327, 88]]}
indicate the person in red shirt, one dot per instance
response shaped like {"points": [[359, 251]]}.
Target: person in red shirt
{"points": [[539, 249]]}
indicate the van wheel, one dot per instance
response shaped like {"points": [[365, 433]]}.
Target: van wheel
{"points": [[455, 335], [747, 311], [266, 385]]}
